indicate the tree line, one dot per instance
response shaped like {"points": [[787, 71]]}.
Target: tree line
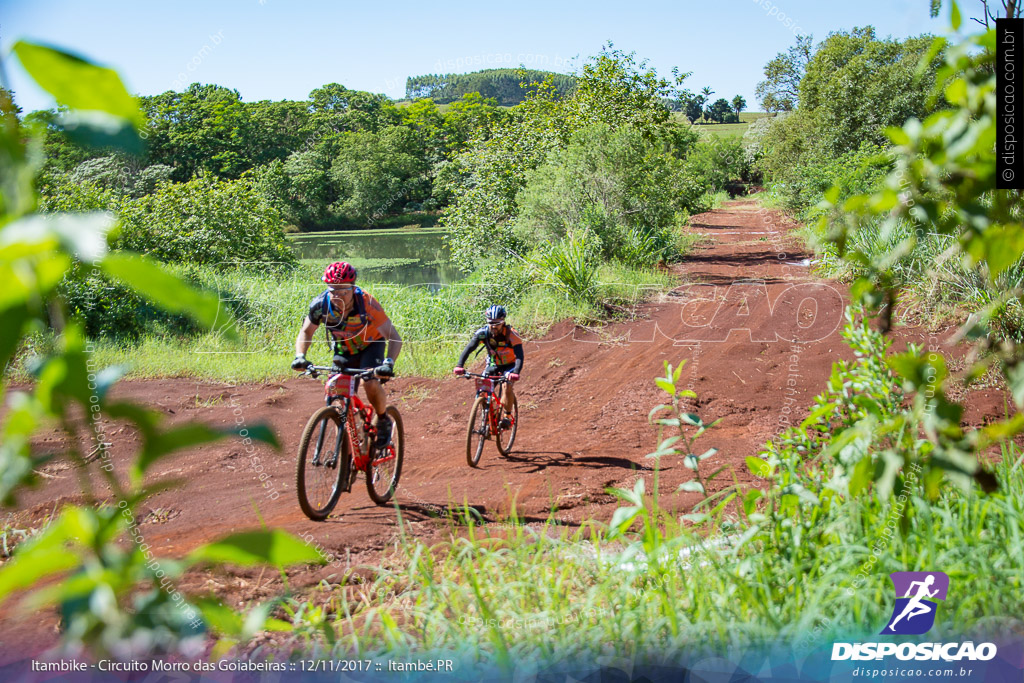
{"points": [[696, 108], [340, 157], [508, 87]]}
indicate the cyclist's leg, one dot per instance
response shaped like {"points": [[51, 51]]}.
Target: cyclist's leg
{"points": [[372, 357], [507, 395]]}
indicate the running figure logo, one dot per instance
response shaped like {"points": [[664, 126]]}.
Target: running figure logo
{"points": [[916, 593]]}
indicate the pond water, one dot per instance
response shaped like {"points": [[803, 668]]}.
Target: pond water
{"points": [[406, 257]]}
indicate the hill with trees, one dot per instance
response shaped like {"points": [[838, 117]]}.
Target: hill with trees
{"points": [[508, 86]]}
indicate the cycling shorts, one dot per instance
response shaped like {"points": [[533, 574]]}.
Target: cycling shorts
{"points": [[370, 357]]}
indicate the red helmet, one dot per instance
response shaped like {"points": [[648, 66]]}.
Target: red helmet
{"points": [[339, 272]]}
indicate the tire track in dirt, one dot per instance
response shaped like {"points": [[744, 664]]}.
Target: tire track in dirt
{"points": [[758, 331]]}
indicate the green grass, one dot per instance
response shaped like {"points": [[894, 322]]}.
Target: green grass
{"points": [[434, 327], [799, 572], [725, 129]]}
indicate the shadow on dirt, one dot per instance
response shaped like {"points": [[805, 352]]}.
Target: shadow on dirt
{"points": [[461, 515], [541, 460]]}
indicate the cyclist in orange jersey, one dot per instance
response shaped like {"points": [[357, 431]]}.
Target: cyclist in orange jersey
{"points": [[358, 330], [505, 351]]}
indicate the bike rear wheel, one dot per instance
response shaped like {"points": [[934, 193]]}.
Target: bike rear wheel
{"points": [[477, 432], [324, 458], [385, 468], [506, 437]]}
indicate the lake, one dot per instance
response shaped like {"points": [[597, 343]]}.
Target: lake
{"points": [[406, 257]]}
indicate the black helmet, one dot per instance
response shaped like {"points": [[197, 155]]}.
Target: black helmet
{"points": [[495, 313]]}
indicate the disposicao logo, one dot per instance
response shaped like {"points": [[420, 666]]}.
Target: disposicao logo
{"points": [[914, 614], [916, 593]]}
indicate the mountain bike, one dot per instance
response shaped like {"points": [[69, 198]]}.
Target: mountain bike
{"points": [[485, 418], [339, 441]]}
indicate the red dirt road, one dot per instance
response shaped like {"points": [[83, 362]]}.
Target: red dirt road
{"points": [[584, 401]]}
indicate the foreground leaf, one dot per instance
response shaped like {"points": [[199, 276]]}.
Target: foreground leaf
{"points": [[272, 547], [77, 82]]}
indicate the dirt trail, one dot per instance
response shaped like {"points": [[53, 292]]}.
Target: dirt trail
{"points": [[759, 334]]}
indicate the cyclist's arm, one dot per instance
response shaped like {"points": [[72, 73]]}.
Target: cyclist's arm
{"points": [[518, 366], [474, 342], [393, 339], [305, 337], [380, 322]]}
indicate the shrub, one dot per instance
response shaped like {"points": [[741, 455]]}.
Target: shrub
{"points": [[570, 266], [851, 173], [204, 221], [59, 194], [715, 161]]}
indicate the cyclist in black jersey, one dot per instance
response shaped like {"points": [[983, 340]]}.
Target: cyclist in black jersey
{"points": [[504, 350]]}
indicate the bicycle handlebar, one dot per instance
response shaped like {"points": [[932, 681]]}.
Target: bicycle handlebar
{"points": [[362, 373], [495, 378]]}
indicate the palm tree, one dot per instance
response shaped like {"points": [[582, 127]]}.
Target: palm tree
{"points": [[705, 94]]}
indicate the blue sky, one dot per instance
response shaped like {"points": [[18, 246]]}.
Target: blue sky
{"points": [[273, 49]]}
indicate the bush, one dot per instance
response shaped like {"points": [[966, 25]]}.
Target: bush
{"points": [[112, 310], [856, 172], [58, 194], [714, 162], [204, 221], [570, 265], [614, 185]]}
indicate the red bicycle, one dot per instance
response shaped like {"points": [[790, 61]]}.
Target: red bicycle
{"points": [[339, 441], [485, 418]]}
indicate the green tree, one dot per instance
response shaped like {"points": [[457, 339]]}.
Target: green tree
{"points": [[376, 172], [614, 89], [336, 109], [508, 87], [61, 154], [693, 107], [780, 89], [857, 85], [719, 110], [738, 104], [205, 128], [607, 180], [472, 116], [310, 190], [705, 95]]}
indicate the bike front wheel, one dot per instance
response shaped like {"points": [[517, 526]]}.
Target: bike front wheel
{"points": [[477, 432], [385, 467], [506, 437], [323, 461]]}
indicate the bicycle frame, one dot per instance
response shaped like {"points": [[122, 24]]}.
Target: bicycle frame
{"points": [[486, 387], [489, 386], [342, 387]]}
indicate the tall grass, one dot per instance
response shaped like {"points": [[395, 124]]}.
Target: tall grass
{"points": [[434, 325], [524, 592], [934, 275]]}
